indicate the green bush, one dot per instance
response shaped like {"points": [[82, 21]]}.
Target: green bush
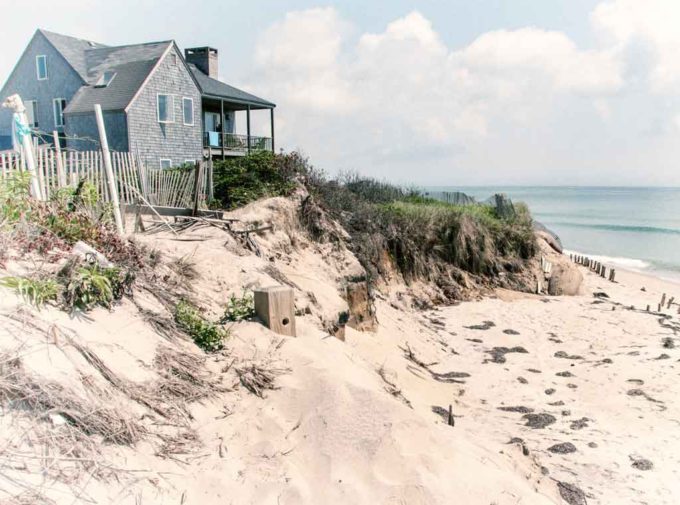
{"points": [[86, 287], [239, 181], [208, 336], [36, 291], [14, 197], [239, 308]]}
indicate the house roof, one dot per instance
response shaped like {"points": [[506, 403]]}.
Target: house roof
{"points": [[217, 89], [131, 65], [72, 49]]}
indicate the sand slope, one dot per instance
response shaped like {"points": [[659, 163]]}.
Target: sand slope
{"points": [[360, 421]]}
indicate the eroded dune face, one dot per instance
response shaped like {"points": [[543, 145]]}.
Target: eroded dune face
{"points": [[364, 420]]}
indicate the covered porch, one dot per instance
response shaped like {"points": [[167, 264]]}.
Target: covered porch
{"points": [[219, 117]]}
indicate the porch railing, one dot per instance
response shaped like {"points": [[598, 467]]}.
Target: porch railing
{"points": [[233, 142]]}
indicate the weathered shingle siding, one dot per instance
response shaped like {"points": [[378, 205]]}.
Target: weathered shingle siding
{"points": [[174, 141], [62, 82], [85, 126]]}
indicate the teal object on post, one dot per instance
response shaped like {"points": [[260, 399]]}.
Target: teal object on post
{"points": [[19, 131]]}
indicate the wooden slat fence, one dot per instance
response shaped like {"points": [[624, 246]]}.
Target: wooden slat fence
{"points": [[172, 188]]}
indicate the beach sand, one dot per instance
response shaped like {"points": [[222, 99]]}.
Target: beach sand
{"points": [[555, 399]]}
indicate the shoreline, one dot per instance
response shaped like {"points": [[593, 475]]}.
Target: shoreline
{"points": [[632, 276], [632, 265]]}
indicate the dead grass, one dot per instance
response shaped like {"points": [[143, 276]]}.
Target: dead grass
{"points": [[259, 378], [183, 376], [50, 401], [185, 268]]}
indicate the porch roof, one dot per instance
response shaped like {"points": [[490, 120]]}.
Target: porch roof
{"points": [[212, 88]]}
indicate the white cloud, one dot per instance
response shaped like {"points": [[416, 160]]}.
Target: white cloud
{"points": [[538, 54], [302, 53], [400, 103], [655, 24]]}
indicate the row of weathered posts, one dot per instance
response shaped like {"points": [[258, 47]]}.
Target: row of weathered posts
{"points": [[594, 266], [666, 303]]}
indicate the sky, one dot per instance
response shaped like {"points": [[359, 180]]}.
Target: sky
{"points": [[431, 92]]}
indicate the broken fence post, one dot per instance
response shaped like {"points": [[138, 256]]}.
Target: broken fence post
{"points": [[113, 187], [275, 306]]}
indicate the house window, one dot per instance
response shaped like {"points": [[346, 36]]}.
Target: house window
{"points": [[32, 113], [58, 106], [41, 66], [105, 79], [166, 163], [173, 58], [190, 162], [188, 111], [165, 109]]}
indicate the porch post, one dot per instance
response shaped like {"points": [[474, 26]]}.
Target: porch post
{"points": [[222, 125], [205, 140], [271, 116], [248, 126]]}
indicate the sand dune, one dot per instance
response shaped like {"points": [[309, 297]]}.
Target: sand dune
{"points": [[556, 399]]}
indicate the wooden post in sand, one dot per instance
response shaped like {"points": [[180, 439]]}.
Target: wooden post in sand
{"points": [[603, 273], [275, 306], [612, 275], [663, 300], [452, 422], [670, 302]]}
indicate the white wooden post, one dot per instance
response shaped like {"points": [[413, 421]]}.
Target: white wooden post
{"points": [[15, 103], [113, 190], [60, 161]]}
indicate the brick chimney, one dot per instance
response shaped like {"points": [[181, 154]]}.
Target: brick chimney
{"points": [[205, 58]]}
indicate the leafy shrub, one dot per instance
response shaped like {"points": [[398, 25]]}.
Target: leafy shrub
{"points": [[240, 181], [36, 291], [239, 308], [14, 197], [88, 286], [208, 336]]}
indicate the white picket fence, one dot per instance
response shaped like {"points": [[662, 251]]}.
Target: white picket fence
{"points": [[136, 183]]}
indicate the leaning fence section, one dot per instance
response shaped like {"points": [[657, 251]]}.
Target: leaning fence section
{"points": [[135, 182]]}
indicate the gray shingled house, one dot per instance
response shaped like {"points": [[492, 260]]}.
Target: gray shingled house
{"points": [[168, 107]]}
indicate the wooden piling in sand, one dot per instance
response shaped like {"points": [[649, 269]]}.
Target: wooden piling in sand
{"points": [[663, 300], [612, 275], [275, 306], [670, 302]]}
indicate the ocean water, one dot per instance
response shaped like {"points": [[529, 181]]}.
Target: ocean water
{"points": [[633, 228]]}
